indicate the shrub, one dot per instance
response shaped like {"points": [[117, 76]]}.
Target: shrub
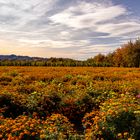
{"points": [[117, 118], [24, 128]]}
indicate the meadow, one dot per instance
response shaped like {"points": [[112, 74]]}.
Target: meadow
{"points": [[69, 103]]}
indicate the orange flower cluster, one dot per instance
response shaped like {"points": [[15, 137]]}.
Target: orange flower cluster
{"points": [[24, 127], [100, 102], [116, 119]]}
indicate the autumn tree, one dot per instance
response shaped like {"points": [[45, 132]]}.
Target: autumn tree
{"points": [[128, 55]]}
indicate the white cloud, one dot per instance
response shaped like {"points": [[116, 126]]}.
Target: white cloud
{"points": [[99, 48], [78, 29], [24, 11], [98, 18], [119, 29], [64, 33], [87, 15], [54, 43]]}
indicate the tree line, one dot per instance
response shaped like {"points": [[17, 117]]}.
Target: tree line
{"points": [[128, 55]]}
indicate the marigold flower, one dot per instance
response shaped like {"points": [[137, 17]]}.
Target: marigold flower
{"points": [[42, 136]]}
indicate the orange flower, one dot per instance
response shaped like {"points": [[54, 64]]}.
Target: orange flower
{"points": [[33, 133], [43, 136], [1, 136]]}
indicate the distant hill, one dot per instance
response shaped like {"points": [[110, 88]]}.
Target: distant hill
{"points": [[17, 60], [18, 57]]}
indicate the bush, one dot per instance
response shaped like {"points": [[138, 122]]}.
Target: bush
{"points": [[24, 128], [117, 118]]}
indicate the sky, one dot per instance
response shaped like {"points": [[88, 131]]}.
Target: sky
{"points": [[77, 29]]}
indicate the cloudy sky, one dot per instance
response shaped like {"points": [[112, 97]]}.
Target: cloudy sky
{"points": [[76, 29]]}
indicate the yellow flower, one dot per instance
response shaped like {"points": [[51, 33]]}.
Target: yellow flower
{"points": [[119, 135], [125, 133]]}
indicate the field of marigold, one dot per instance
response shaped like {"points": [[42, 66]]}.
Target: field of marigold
{"points": [[69, 103]]}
